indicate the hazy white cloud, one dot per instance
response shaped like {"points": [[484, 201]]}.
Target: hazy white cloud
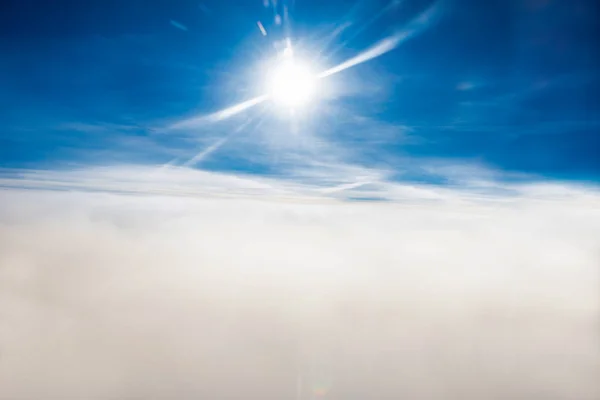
{"points": [[113, 295]]}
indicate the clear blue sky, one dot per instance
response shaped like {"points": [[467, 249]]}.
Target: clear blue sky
{"points": [[510, 84]]}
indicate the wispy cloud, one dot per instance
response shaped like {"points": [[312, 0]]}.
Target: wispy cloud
{"points": [[311, 181]]}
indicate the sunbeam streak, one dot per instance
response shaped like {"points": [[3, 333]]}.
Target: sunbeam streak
{"points": [[218, 144], [206, 152], [381, 13], [219, 115], [385, 45], [379, 49]]}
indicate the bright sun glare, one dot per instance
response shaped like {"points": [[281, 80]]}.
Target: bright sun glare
{"points": [[291, 84]]}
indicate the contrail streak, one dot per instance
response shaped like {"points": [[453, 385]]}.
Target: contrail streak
{"points": [[220, 115], [386, 45]]}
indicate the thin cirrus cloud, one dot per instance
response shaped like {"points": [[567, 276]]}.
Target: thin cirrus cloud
{"points": [[448, 293], [310, 181]]}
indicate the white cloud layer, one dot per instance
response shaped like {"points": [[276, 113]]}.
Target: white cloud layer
{"points": [[114, 296]]}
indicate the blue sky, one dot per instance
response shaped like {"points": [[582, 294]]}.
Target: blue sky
{"points": [[504, 86]]}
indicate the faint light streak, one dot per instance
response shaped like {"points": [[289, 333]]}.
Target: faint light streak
{"points": [[339, 30], [178, 25], [219, 143], [215, 146], [334, 35], [220, 115], [238, 108], [386, 45], [206, 152], [166, 166], [262, 28], [204, 9], [465, 86], [384, 10]]}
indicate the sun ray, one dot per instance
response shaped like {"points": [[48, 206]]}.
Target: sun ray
{"points": [[220, 115], [220, 142], [385, 45]]}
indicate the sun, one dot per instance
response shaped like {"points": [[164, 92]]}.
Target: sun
{"points": [[291, 83]]}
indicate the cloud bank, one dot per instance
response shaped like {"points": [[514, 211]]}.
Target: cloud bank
{"points": [[107, 294]]}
